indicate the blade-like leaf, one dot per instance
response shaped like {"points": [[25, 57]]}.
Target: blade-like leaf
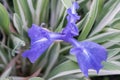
{"points": [[65, 66], [113, 52], [111, 65], [90, 20], [67, 3], [3, 56], [36, 78], [4, 19], [17, 43], [107, 19], [115, 23], [108, 6], [104, 36], [54, 54], [42, 11], [18, 23], [23, 11], [32, 10]]}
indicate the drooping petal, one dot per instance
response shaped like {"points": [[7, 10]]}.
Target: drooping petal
{"points": [[36, 50], [40, 41], [89, 56], [95, 48]]}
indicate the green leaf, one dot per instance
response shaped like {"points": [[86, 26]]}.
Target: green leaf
{"points": [[115, 23], [23, 4], [116, 39], [113, 52], [65, 48], [67, 3], [4, 79], [38, 12], [63, 67], [16, 8], [53, 57], [36, 78], [42, 11], [4, 19], [17, 40], [57, 13], [17, 43], [72, 58], [18, 23], [14, 78], [60, 26], [104, 72], [107, 36], [90, 20], [115, 56], [32, 10], [44, 16], [23, 10], [3, 56], [107, 7], [107, 19], [112, 65], [53, 19], [100, 7], [82, 22]]}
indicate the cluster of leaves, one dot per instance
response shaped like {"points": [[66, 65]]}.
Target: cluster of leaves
{"points": [[100, 21]]}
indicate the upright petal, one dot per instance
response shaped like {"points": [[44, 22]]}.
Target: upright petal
{"points": [[72, 18], [89, 56], [70, 30], [72, 14], [74, 7]]}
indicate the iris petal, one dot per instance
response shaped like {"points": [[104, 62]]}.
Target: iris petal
{"points": [[36, 50], [89, 56], [71, 30], [40, 41], [75, 5], [36, 33], [72, 17]]}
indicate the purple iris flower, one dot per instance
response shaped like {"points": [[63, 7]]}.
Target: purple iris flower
{"points": [[89, 55], [41, 39]]}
